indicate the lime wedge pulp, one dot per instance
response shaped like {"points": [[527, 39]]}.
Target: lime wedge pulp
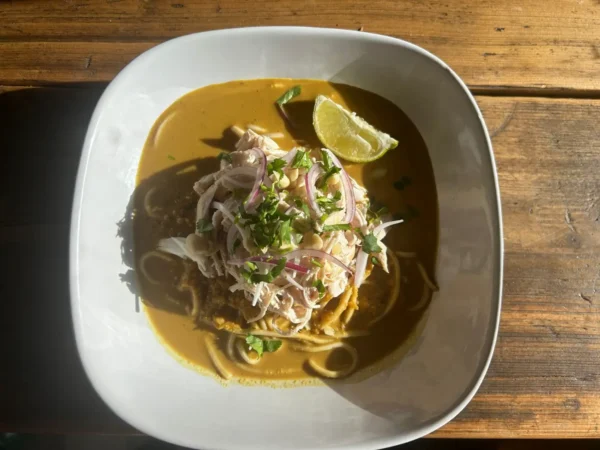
{"points": [[347, 135]]}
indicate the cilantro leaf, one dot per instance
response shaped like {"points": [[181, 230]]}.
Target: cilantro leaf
{"points": [[171, 157], [327, 175], [252, 275], [329, 204], [370, 244], [255, 344], [320, 287], [288, 95], [336, 227], [276, 271], [224, 157], [262, 345], [272, 345], [204, 226], [285, 232], [315, 262], [327, 161], [301, 160], [276, 165]]}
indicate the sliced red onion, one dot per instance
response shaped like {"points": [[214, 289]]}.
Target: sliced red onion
{"points": [[260, 177], [316, 254], [384, 225], [361, 266], [309, 180], [289, 156], [348, 190]]}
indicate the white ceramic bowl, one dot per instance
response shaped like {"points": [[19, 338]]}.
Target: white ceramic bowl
{"points": [[144, 385]]}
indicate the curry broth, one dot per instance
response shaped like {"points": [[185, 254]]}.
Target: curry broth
{"points": [[183, 145]]}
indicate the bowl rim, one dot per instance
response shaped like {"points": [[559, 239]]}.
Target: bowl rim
{"points": [[74, 238]]}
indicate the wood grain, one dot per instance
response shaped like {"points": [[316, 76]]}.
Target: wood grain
{"points": [[545, 46], [544, 380]]}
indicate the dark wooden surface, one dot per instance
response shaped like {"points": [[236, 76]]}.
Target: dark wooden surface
{"points": [[546, 46], [544, 381]]}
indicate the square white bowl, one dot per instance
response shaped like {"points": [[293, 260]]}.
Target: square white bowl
{"points": [[145, 386]]}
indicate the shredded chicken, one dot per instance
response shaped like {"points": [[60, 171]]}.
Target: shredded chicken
{"points": [[283, 243]]}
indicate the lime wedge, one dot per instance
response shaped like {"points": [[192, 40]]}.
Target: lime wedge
{"points": [[347, 135]]}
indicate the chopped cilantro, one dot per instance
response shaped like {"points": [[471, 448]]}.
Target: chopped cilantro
{"points": [[305, 210], [374, 261], [331, 171], [288, 95], [255, 344], [272, 345], [370, 244], [253, 276], [327, 161], [301, 160], [302, 225], [320, 287], [171, 157], [265, 223], [285, 232], [328, 204], [314, 262], [204, 226], [262, 345], [337, 227], [276, 165]]}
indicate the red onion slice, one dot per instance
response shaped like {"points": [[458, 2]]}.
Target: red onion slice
{"points": [[316, 254], [260, 178], [309, 180], [348, 189], [361, 266]]}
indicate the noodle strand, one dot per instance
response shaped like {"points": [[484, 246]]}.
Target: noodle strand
{"points": [[214, 358]]}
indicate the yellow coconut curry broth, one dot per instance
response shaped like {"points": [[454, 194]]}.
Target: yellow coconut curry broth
{"points": [[183, 146]]}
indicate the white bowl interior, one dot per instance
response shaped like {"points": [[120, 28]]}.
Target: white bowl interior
{"points": [[138, 378]]}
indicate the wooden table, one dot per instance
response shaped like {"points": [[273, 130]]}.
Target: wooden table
{"points": [[536, 72]]}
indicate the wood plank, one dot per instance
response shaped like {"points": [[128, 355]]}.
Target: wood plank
{"points": [[504, 43], [544, 380]]}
